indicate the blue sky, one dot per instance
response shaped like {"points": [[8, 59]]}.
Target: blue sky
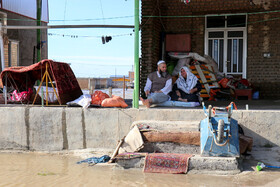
{"points": [[86, 53]]}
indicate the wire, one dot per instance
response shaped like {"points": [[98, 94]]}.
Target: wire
{"points": [[93, 75], [84, 36], [272, 19], [143, 25], [87, 64], [89, 19], [120, 35], [102, 12], [160, 17], [198, 16], [123, 17], [65, 9]]}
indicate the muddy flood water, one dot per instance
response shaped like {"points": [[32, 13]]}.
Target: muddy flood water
{"points": [[33, 169]]}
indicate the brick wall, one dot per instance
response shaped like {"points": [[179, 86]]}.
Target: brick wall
{"points": [[6, 54], [262, 36], [83, 82], [150, 45], [27, 38]]}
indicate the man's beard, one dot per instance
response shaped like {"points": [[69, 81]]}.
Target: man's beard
{"points": [[163, 74]]}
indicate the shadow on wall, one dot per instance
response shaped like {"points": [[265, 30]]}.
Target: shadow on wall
{"points": [[258, 140]]}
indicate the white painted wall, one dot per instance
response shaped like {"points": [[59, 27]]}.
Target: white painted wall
{"points": [[26, 8]]}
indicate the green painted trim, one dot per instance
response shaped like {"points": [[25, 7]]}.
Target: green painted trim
{"points": [[136, 55], [39, 12]]}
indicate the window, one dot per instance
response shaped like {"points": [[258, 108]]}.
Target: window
{"points": [[216, 34], [236, 21], [13, 53], [226, 21], [216, 22], [235, 34]]}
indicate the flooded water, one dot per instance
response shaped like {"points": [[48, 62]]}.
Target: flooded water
{"points": [[30, 169]]}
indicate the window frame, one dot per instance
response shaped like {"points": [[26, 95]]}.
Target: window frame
{"points": [[226, 15], [11, 41], [226, 29]]}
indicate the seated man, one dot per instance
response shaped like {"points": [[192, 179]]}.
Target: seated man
{"points": [[186, 87], [158, 85]]}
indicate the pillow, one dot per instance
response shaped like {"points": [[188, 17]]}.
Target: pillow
{"points": [[115, 101]]}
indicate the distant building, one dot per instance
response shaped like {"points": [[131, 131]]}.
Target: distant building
{"points": [[94, 83], [131, 76], [20, 45], [114, 81], [131, 79], [118, 81]]}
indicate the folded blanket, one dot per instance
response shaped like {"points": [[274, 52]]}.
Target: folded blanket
{"points": [[133, 142], [176, 104]]}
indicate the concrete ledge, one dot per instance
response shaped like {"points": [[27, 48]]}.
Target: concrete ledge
{"points": [[197, 165], [214, 165], [262, 126], [13, 130], [75, 127], [45, 129], [58, 128], [102, 127]]}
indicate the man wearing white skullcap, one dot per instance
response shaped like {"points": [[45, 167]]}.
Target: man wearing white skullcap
{"points": [[160, 62], [158, 85]]}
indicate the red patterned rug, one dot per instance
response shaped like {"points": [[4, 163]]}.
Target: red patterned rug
{"points": [[166, 163]]}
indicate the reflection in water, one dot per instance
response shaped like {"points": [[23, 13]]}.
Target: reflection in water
{"points": [[48, 170]]}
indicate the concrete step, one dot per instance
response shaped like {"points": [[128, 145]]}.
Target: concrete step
{"points": [[180, 126], [197, 165], [215, 165]]}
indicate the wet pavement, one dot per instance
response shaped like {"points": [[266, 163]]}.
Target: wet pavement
{"points": [[33, 169]]}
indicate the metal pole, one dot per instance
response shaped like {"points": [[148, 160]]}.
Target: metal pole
{"points": [[123, 87], [17, 27], [3, 62], [2, 48], [39, 12], [110, 91], [136, 55], [47, 94], [5, 89]]}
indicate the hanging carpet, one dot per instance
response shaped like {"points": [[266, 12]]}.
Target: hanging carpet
{"points": [[61, 73]]}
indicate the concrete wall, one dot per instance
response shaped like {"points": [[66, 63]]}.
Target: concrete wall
{"points": [[52, 128]]}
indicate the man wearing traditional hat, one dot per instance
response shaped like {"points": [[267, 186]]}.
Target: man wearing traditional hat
{"points": [[158, 85]]}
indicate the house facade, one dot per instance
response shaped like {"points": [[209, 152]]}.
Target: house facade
{"points": [[242, 36], [20, 45], [94, 83]]}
